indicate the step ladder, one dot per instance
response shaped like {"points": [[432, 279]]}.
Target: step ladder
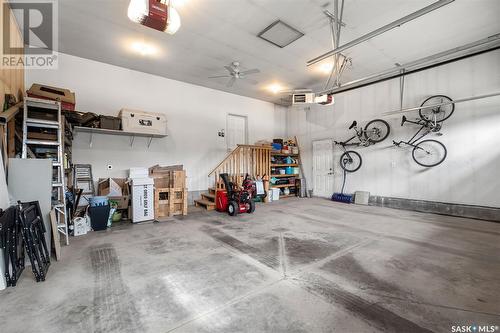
{"points": [[82, 179], [33, 108]]}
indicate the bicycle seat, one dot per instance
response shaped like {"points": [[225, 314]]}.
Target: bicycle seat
{"points": [[403, 120], [354, 124]]}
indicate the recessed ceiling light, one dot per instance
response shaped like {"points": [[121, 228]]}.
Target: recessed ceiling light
{"points": [[275, 88], [326, 67], [144, 49]]}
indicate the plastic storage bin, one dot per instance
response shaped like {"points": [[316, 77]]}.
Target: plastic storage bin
{"points": [[276, 146], [98, 201], [143, 122], [276, 194], [99, 217]]}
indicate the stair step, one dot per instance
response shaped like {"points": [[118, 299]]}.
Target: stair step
{"points": [[209, 197], [209, 205]]}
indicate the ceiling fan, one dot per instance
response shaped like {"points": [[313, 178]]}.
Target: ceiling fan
{"points": [[235, 73]]}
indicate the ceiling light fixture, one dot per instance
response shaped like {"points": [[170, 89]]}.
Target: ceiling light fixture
{"points": [[144, 48], [275, 88], [156, 14], [326, 68]]}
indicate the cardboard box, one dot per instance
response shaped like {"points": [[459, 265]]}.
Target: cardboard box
{"points": [[142, 199], [123, 200], [109, 187], [66, 97]]}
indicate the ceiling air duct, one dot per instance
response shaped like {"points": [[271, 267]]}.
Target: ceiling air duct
{"points": [[280, 34], [155, 14]]}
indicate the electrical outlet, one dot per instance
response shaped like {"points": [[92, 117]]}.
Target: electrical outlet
{"points": [[393, 164], [110, 167]]}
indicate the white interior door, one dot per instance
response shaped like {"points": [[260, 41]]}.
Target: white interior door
{"points": [[323, 168], [236, 131]]}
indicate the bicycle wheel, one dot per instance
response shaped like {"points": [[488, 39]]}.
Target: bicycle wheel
{"points": [[350, 161], [429, 153], [438, 113], [377, 130]]}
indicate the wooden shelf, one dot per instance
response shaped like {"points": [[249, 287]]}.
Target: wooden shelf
{"points": [[284, 165], [282, 176], [282, 185]]}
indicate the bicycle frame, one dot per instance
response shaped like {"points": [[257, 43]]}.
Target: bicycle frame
{"points": [[359, 136], [426, 127], [414, 138], [346, 143]]}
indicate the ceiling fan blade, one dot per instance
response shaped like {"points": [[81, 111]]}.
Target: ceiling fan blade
{"points": [[218, 76], [230, 69], [251, 71], [231, 82]]}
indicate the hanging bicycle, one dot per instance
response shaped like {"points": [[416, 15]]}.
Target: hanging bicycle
{"points": [[434, 110], [374, 132]]}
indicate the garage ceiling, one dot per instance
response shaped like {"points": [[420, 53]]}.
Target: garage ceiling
{"points": [[216, 32]]}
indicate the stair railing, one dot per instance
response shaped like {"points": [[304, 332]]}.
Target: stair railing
{"points": [[244, 159]]}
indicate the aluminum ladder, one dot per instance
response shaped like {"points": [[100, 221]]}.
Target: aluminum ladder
{"points": [[36, 105], [82, 179]]}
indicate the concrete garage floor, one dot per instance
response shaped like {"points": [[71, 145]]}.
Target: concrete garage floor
{"points": [[300, 265]]}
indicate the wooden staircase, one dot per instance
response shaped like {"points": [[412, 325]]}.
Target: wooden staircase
{"points": [[244, 159], [207, 200]]}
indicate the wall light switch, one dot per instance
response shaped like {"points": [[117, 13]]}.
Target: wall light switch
{"points": [[393, 164]]}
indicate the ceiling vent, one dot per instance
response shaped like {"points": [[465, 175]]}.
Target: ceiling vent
{"points": [[280, 34], [307, 98]]}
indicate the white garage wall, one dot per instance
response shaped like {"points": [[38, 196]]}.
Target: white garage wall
{"points": [[471, 171], [195, 114]]}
